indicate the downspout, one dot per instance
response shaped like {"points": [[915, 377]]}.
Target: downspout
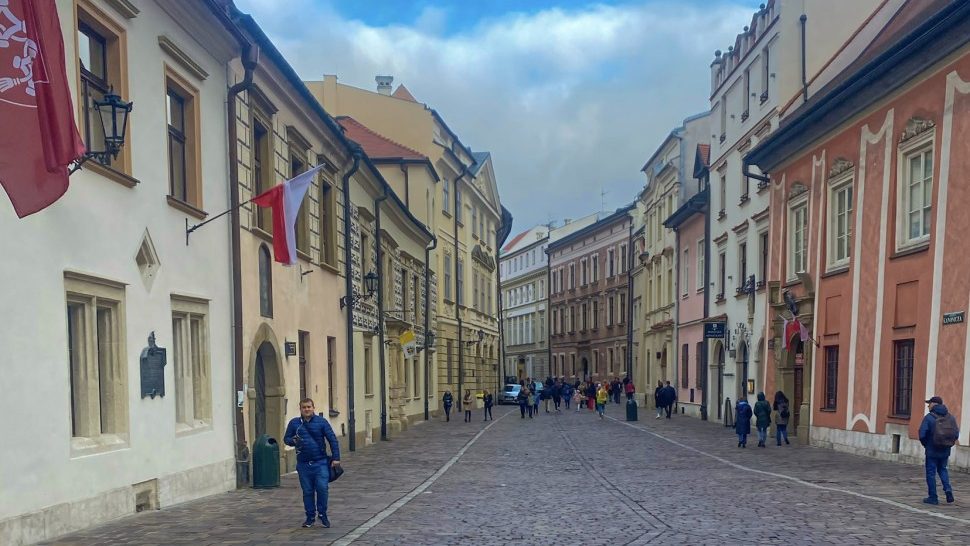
{"points": [[380, 312], [249, 58], [629, 303], [549, 308], [461, 346], [803, 19], [707, 291], [427, 322], [407, 185], [349, 290]]}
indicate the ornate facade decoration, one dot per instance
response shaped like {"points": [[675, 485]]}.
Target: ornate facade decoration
{"points": [[915, 127], [840, 166]]}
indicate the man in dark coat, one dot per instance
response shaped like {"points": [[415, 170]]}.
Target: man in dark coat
{"points": [[668, 396], [936, 455], [307, 433]]}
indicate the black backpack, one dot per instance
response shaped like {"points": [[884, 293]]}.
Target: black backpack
{"points": [[785, 414], [946, 432]]}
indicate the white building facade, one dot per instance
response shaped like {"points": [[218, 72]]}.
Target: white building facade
{"points": [[524, 273]]}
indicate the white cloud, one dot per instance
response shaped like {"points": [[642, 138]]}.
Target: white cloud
{"points": [[568, 102]]}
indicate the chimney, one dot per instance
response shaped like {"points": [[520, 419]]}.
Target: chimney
{"points": [[565, 221], [384, 84]]}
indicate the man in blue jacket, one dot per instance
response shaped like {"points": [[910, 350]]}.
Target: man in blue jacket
{"points": [[937, 455], [307, 434]]}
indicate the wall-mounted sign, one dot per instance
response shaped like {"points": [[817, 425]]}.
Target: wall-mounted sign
{"points": [[953, 318], [799, 359], [714, 330], [290, 348], [408, 343]]}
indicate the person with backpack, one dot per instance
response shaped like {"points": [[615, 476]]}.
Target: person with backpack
{"points": [[938, 433], [742, 426], [447, 400], [781, 420], [762, 413]]}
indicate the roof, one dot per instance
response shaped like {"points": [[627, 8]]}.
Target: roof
{"points": [[526, 238], [480, 159], [402, 93], [375, 144], [916, 37], [618, 214], [694, 205], [702, 160], [515, 240]]}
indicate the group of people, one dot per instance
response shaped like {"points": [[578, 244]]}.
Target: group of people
{"points": [[664, 396], [447, 401], [762, 412]]}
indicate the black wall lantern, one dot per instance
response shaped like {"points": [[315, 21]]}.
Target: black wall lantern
{"points": [[370, 287], [481, 337], [113, 114]]}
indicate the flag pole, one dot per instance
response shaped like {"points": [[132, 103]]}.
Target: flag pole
{"points": [[189, 230]]}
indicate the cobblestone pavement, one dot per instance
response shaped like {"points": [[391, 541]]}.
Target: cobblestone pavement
{"points": [[572, 478]]}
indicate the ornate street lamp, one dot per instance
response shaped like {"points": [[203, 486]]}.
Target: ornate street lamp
{"points": [[370, 287], [113, 115]]}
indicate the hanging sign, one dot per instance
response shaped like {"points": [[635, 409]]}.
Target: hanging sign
{"points": [[408, 343]]}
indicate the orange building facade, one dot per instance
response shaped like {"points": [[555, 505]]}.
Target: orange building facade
{"points": [[868, 227]]}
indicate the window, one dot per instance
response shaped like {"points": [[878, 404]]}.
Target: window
{"points": [[572, 276], [685, 272], [265, 282], [610, 311], [621, 317], [445, 200], [723, 112], [459, 204], [742, 266], [481, 226], [765, 74], [190, 357], [447, 270], [596, 263], [175, 116], [584, 272], [562, 320], [302, 231], [722, 272], [459, 282], [623, 258], [475, 290], [262, 169], [101, 47], [610, 262], [596, 314], [723, 189], [831, 377], [701, 248], [572, 319], [585, 317], [684, 365], [916, 195], [840, 211], [798, 242], [764, 257], [698, 364], [746, 99], [96, 358], [903, 377], [328, 227], [331, 372], [369, 364], [475, 232]]}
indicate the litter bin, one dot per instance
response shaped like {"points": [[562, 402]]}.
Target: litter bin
{"points": [[266, 463], [631, 410]]}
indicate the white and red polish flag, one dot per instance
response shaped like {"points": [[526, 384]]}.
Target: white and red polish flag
{"points": [[285, 201]]}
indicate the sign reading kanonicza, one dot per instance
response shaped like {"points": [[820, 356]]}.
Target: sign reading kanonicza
{"points": [[953, 318]]}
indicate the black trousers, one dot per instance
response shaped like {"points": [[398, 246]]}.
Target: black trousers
{"points": [[667, 408], [488, 412]]}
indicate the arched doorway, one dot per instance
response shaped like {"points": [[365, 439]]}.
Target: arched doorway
{"points": [[742, 372], [266, 410], [585, 368]]}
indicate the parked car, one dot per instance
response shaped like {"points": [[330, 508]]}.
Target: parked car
{"points": [[510, 395]]}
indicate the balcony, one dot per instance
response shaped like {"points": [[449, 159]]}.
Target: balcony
{"points": [[722, 214], [744, 116], [764, 96], [719, 298], [744, 199]]}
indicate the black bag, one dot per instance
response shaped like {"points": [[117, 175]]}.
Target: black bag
{"points": [[335, 473], [946, 432], [785, 414]]}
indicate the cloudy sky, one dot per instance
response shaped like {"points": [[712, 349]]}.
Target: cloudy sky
{"points": [[571, 97]]}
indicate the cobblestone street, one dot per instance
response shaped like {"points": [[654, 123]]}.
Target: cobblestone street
{"points": [[574, 479]]}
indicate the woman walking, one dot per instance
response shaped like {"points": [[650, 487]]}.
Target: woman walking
{"points": [[591, 395], [487, 399], [523, 400], [658, 398], [762, 414], [781, 420], [742, 425], [578, 398], [466, 404], [602, 396], [447, 400]]}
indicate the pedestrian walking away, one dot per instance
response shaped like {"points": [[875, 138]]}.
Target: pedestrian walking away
{"points": [[523, 400], [532, 404], [591, 395], [742, 425], [556, 395], [668, 395], [447, 400], [547, 391], [567, 393], [762, 414], [629, 389], [602, 397], [938, 433], [781, 418], [488, 400], [466, 404], [658, 399], [307, 434]]}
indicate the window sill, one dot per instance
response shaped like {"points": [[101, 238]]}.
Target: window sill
{"points": [[721, 214], [909, 251], [836, 271], [899, 417], [264, 235], [828, 410], [83, 446], [762, 186], [744, 199], [329, 267], [368, 395], [187, 208], [446, 213], [114, 175], [305, 256], [190, 429]]}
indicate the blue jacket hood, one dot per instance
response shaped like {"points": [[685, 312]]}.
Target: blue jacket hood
{"points": [[940, 410]]}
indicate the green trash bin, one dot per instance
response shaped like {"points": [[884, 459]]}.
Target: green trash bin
{"points": [[266, 463], [631, 410]]}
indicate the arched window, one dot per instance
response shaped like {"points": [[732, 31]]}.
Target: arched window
{"points": [[265, 282]]}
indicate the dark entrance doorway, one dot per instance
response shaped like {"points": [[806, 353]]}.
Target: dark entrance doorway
{"points": [[266, 409], [799, 350], [742, 371], [720, 380], [585, 369]]}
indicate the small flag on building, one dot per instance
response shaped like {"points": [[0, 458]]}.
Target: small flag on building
{"points": [[408, 343], [285, 201], [792, 327]]}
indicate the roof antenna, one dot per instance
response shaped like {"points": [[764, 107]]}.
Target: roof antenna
{"points": [[603, 193]]}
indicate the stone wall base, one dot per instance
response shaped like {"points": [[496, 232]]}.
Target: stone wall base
{"points": [[69, 517], [881, 446]]}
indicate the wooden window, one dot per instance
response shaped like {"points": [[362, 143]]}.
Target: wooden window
{"points": [[698, 364], [184, 153], [459, 205], [610, 311], [742, 265], [262, 168], [840, 214], [190, 357], [701, 248], [596, 314], [685, 272], [369, 366], [298, 164], [623, 258], [722, 271], [596, 272], [916, 195], [764, 257], [97, 363], [303, 345], [366, 259], [328, 225], [265, 282], [831, 378], [459, 282], [445, 198], [585, 317], [903, 377], [610, 263], [684, 365]]}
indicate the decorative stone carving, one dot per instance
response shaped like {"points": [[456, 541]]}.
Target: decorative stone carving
{"points": [[915, 127], [840, 166], [797, 189]]}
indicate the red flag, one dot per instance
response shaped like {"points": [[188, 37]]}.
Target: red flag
{"points": [[285, 200], [38, 137], [791, 328]]}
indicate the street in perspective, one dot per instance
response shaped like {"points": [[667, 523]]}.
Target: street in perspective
{"points": [[544, 272]]}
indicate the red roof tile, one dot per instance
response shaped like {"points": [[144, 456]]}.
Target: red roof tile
{"points": [[374, 144], [402, 93], [515, 240], [704, 150]]}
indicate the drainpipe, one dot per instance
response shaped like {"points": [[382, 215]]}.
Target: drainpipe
{"points": [[458, 298], [349, 290], [707, 292], [249, 58], [427, 322], [629, 303], [380, 312], [407, 185], [803, 19]]}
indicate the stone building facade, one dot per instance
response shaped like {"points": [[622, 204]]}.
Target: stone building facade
{"points": [[524, 272]]}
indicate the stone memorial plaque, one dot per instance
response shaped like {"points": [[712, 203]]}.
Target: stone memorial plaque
{"points": [[153, 359]]}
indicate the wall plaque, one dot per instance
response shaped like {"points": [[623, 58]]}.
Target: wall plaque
{"points": [[953, 318], [152, 369]]}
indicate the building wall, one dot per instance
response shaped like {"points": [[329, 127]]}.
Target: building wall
{"points": [[54, 483]]}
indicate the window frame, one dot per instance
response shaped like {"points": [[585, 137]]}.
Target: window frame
{"points": [[796, 204], [830, 392], [199, 375], [191, 138], [836, 186], [699, 274], [917, 146], [902, 405]]}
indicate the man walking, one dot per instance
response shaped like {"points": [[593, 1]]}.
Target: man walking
{"points": [[668, 397], [307, 433], [938, 433]]}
